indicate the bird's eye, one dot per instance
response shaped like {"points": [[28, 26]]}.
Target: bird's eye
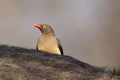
{"points": [[44, 27]]}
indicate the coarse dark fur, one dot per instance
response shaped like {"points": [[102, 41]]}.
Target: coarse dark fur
{"points": [[28, 64]]}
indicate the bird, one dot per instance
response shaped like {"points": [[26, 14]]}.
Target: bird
{"points": [[48, 41]]}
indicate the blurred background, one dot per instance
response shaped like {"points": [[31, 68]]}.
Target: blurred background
{"points": [[88, 29]]}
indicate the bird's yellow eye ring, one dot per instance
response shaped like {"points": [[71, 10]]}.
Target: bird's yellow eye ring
{"points": [[44, 27]]}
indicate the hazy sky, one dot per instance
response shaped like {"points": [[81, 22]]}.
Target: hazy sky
{"points": [[88, 29]]}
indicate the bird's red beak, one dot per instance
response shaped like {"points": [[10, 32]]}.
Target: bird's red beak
{"points": [[37, 26]]}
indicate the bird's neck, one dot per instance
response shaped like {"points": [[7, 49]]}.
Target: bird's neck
{"points": [[49, 34]]}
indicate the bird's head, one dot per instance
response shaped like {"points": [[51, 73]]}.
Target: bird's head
{"points": [[45, 29]]}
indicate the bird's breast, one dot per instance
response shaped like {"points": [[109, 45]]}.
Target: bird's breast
{"points": [[49, 44]]}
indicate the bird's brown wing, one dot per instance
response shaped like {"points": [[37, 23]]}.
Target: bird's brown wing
{"points": [[36, 47], [60, 47]]}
